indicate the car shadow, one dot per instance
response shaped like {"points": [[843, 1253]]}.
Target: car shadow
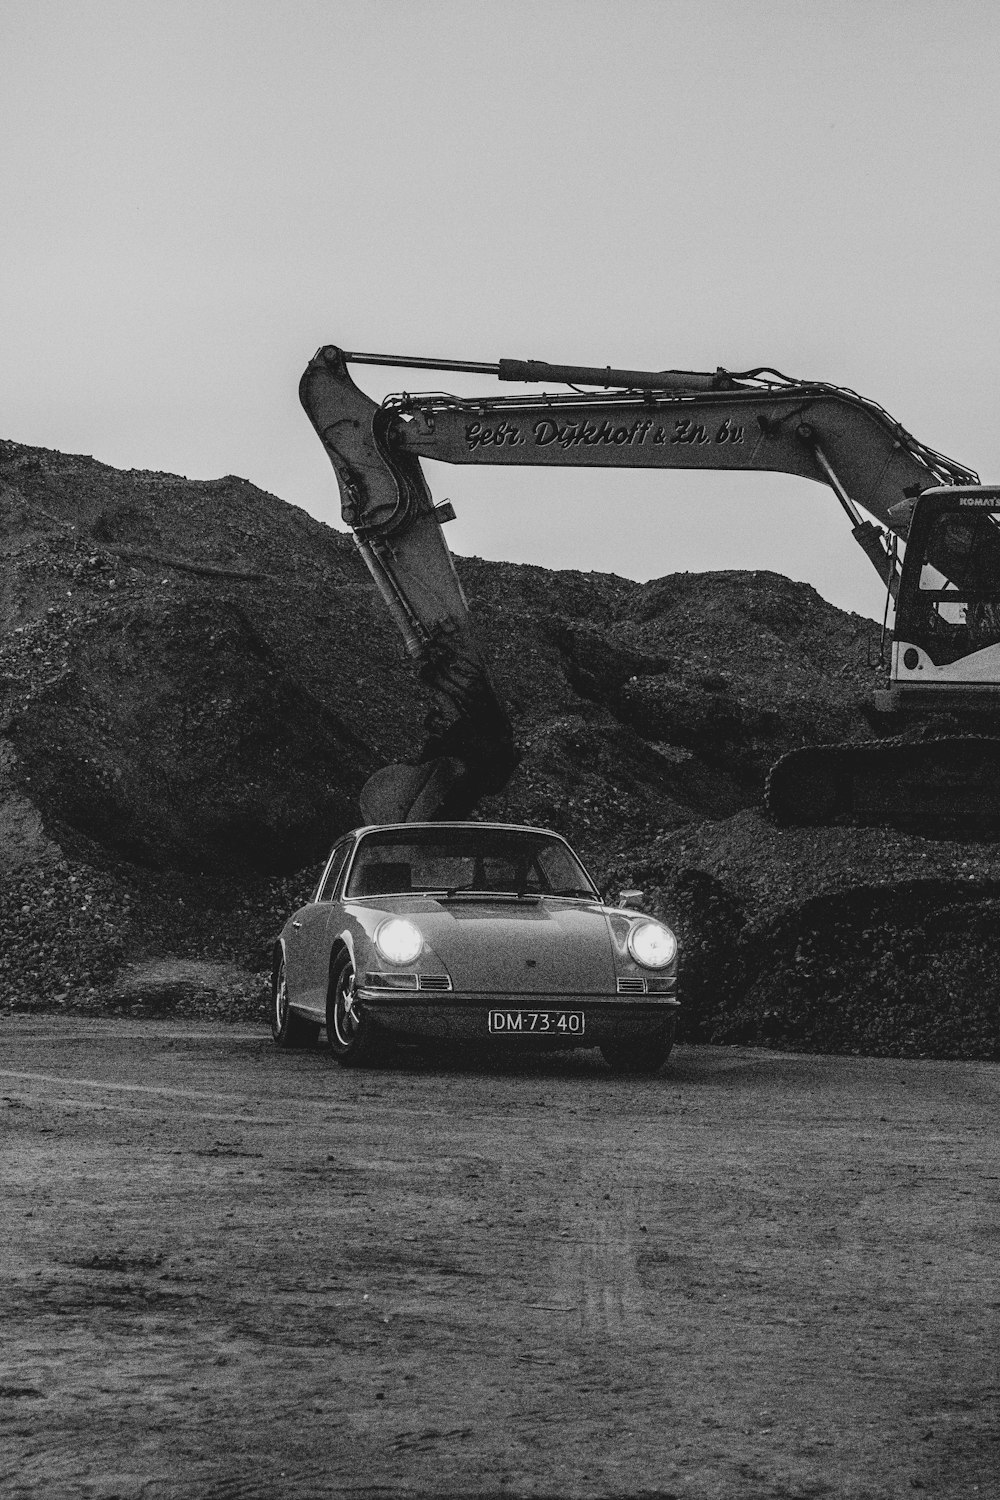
{"points": [[495, 1061], [701, 1067]]}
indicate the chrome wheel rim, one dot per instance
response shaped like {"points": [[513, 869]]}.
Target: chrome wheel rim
{"points": [[346, 1022]]}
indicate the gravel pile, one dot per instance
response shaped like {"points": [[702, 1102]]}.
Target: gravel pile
{"points": [[196, 679], [830, 940]]}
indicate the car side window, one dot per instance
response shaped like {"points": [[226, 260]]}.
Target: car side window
{"points": [[338, 860]]}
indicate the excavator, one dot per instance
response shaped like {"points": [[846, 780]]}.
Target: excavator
{"points": [[925, 522]]}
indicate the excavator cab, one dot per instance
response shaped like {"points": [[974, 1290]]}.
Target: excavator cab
{"points": [[945, 672], [946, 647]]}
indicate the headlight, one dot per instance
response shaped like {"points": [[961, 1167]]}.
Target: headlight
{"points": [[652, 945], [398, 941]]}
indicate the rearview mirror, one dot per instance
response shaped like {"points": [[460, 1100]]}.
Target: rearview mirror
{"points": [[631, 899]]}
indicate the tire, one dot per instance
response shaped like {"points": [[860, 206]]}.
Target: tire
{"points": [[641, 1054], [287, 1027], [351, 1037]]}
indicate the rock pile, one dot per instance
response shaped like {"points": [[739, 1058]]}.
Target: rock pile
{"points": [[196, 679]]}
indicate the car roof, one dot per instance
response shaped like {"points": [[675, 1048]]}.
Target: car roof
{"points": [[408, 827]]}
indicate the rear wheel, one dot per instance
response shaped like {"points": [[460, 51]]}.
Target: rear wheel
{"points": [[287, 1027], [640, 1054], [352, 1038]]}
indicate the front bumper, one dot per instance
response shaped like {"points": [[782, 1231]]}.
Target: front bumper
{"points": [[457, 1017]]}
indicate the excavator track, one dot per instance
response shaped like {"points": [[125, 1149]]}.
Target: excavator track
{"points": [[946, 787]]}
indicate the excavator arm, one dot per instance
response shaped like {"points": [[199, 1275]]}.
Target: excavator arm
{"points": [[757, 420], [468, 749]]}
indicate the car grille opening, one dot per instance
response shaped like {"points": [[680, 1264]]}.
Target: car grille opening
{"points": [[632, 985], [397, 981]]}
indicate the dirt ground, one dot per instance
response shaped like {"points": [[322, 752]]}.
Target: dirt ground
{"points": [[230, 1272]]}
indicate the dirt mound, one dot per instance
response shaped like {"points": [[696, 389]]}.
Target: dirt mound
{"points": [[199, 676], [640, 706], [167, 696], [831, 940], [196, 679]]}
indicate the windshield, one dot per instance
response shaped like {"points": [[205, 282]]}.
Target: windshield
{"points": [[965, 547], [957, 609], [477, 859]]}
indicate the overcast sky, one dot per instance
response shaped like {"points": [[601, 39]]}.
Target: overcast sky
{"points": [[197, 195]]}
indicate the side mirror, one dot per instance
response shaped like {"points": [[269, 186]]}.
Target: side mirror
{"points": [[632, 899]]}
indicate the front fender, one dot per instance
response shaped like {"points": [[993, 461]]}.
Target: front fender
{"points": [[343, 942]]}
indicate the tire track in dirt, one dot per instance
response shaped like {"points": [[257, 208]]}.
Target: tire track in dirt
{"points": [[330, 1107], [113, 1087], [595, 1274]]}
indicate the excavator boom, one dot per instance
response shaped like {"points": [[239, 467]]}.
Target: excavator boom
{"points": [[768, 428]]}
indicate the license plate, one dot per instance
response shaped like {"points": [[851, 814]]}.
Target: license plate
{"points": [[554, 1023]]}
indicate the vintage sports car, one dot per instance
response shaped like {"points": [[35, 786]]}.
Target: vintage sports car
{"points": [[472, 932]]}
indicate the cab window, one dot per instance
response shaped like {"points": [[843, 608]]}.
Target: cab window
{"points": [[962, 555], [958, 607]]}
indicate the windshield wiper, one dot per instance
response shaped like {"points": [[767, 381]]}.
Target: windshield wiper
{"points": [[457, 892]]}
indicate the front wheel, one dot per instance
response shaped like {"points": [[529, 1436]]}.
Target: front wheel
{"points": [[640, 1054], [287, 1027], [351, 1036]]}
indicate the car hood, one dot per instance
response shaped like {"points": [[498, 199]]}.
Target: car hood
{"points": [[514, 947]]}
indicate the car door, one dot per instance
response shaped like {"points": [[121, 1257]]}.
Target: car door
{"points": [[307, 952]]}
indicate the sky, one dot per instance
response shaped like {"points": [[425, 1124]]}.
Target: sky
{"points": [[198, 195]]}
